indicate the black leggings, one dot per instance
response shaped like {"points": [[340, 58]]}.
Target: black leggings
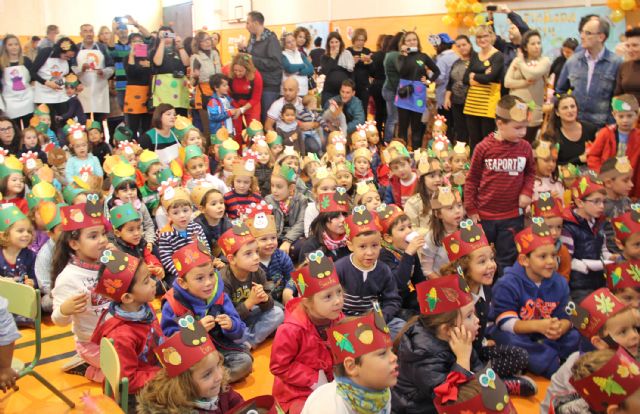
{"points": [[381, 106], [479, 127], [408, 118], [506, 360], [460, 132], [139, 123]]}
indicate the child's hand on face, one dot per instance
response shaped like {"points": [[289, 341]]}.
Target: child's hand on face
{"points": [[414, 245], [208, 322], [75, 304], [157, 271], [224, 321], [460, 341]]}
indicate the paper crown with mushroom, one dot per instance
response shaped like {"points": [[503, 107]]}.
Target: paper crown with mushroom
{"points": [[440, 146], [592, 313], [315, 276], [444, 294], [387, 215], [43, 191], [361, 221], [185, 348], [545, 149], [359, 336], [587, 184], [30, 161], [623, 275], [426, 162], [628, 223], [469, 238], [117, 271], [9, 215], [81, 216], [284, 171], [75, 131], [547, 206], [445, 197], [613, 383], [245, 166], [366, 129], [338, 140], [233, 239], [533, 236], [260, 219], [128, 148], [334, 202], [123, 214], [228, 146], [190, 256], [395, 151], [492, 399]]}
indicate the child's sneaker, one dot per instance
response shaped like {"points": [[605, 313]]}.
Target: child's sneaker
{"points": [[80, 370], [521, 386]]}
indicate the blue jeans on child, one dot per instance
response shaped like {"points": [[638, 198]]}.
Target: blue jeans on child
{"points": [[312, 142], [239, 363], [262, 324]]}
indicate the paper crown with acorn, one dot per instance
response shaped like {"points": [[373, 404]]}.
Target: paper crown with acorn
{"points": [[469, 238], [387, 215], [547, 206], [492, 399], [587, 184], [81, 216], [445, 197], [317, 275], [361, 221], [359, 336], [228, 146], [233, 239], [254, 128], [426, 162], [192, 255], [273, 138], [533, 236], [117, 271], [260, 219], [49, 213], [461, 148], [592, 313], [127, 147], [284, 171], [9, 215], [444, 294], [10, 165], [334, 202], [613, 383], [623, 275], [628, 223], [123, 214]]}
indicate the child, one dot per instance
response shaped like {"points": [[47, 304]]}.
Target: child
{"points": [[275, 143], [49, 213], [81, 158], [29, 142], [545, 154], [529, 301], [264, 166], [228, 154], [150, 166], [363, 277], [333, 118], [627, 230], [568, 174], [291, 158], [193, 377], [300, 359], [219, 108], [198, 295], [195, 166], [365, 369], [289, 129], [373, 139], [130, 322], [367, 195], [312, 138], [362, 165], [430, 177], [404, 179], [244, 282], [74, 275], [12, 185], [275, 262], [582, 234], [500, 181], [617, 176], [210, 202], [344, 175], [435, 343], [622, 281], [244, 187], [99, 148], [323, 182], [460, 158], [552, 211], [310, 164], [42, 122], [336, 148], [75, 111]]}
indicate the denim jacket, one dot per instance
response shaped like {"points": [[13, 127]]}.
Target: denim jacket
{"points": [[595, 103]]}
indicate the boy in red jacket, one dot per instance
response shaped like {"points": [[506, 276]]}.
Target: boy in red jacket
{"points": [[499, 185]]}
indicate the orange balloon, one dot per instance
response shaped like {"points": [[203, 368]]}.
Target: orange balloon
{"points": [[613, 4], [627, 5], [468, 21]]}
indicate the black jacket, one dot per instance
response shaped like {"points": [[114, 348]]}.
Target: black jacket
{"points": [[587, 244], [414, 66], [408, 273], [482, 312]]}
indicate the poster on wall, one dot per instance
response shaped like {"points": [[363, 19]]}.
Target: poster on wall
{"points": [[317, 29]]}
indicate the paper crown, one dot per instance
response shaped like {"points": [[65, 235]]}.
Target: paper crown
{"points": [[426, 162], [319, 274], [56, 157], [334, 202], [444, 294], [547, 206], [387, 215], [592, 313], [81, 216], [75, 131], [622, 165], [610, 385], [190, 256], [220, 136], [166, 175], [586, 185], [121, 215], [364, 187], [534, 236], [169, 194], [361, 221], [123, 172], [50, 214], [10, 165], [260, 219], [146, 160], [254, 128], [285, 172], [288, 151], [546, 149], [568, 171], [259, 141], [518, 112], [185, 348], [469, 238], [310, 158], [127, 147], [263, 404], [628, 223], [117, 271], [123, 133], [182, 125], [190, 152], [71, 80], [273, 138], [70, 192], [492, 399], [199, 192], [321, 173], [440, 146], [338, 140], [10, 214], [394, 152], [345, 166], [42, 109], [445, 197], [89, 125], [43, 191], [30, 160], [233, 239], [359, 336], [245, 166], [461, 148], [623, 275], [362, 153], [624, 103]]}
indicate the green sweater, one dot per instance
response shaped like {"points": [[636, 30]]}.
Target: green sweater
{"points": [[391, 71]]}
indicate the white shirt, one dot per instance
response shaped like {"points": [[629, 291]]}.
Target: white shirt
{"points": [[591, 64]]}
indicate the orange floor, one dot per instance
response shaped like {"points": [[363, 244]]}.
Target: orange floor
{"points": [[33, 397]]}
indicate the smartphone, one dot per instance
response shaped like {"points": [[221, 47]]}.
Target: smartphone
{"points": [[122, 21], [169, 35], [492, 8], [412, 49], [140, 50]]}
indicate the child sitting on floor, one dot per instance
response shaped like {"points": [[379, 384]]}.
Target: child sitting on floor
{"points": [[617, 177]]}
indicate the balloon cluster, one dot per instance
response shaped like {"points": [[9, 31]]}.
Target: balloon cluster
{"points": [[463, 13], [619, 7]]}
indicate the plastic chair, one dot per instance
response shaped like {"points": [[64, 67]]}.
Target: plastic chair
{"points": [[110, 367], [25, 301]]}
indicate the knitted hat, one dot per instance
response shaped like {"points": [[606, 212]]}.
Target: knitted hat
{"points": [[189, 257], [81, 216], [117, 271], [547, 206], [122, 214], [319, 274], [586, 185], [260, 219], [469, 238], [359, 336], [185, 348], [146, 160], [623, 275], [628, 223], [334, 202], [444, 294], [10, 214], [233, 239], [592, 313], [361, 221], [388, 214]]}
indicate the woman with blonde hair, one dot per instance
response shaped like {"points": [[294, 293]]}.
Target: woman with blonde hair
{"points": [[17, 92], [246, 91], [205, 62]]}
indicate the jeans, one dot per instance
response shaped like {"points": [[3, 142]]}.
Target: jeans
{"points": [[268, 97], [262, 324], [395, 326], [238, 363], [120, 98], [392, 114], [500, 233], [312, 142]]}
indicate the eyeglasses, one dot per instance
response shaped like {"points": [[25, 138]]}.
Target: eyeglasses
{"points": [[596, 202], [482, 36], [588, 33], [7, 129]]}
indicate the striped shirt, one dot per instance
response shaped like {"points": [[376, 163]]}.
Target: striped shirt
{"points": [[170, 240], [235, 203], [120, 54]]}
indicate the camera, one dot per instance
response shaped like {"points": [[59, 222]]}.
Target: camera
{"points": [[412, 49], [168, 35], [178, 74], [492, 8], [122, 21]]}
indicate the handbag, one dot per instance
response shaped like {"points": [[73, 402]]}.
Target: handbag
{"points": [[311, 83]]}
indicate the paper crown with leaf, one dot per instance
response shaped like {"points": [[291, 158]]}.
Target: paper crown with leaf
{"points": [[568, 171], [364, 187], [81, 216], [624, 103], [233, 239], [273, 138], [49, 213], [117, 271], [362, 153], [345, 166], [284, 171], [188, 257], [310, 158], [469, 238], [171, 194], [10, 165], [547, 206], [219, 136], [623, 275], [260, 219], [361, 221], [426, 162], [228, 146], [613, 383], [9, 215], [387, 215], [592, 313], [166, 175], [146, 160], [123, 214], [185, 348], [546, 149], [492, 399], [587, 184], [245, 166], [395, 151], [334, 202], [317, 275], [359, 336], [534, 236], [43, 191], [628, 223], [444, 294], [445, 197]]}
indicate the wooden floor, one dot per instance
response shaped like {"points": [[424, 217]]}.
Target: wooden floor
{"points": [[58, 346]]}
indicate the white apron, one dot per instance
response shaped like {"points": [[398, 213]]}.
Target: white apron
{"points": [[95, 95], [17, 92], [54, 69]]}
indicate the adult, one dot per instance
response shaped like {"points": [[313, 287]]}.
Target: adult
{"points": [[390, 86], [205, 62], [266, 52], [303, 39], [377, 73], [105, 37], [456, 93], [316, 53], [351, 105], [94, 67], [31, 49], [416, 71], [628, 79], [571, 134], [568, 49], [50, 39], [48, 70], [362, 68], [517, 28], [295, 64], [591, 73], [137, 90], [483, 76], [445, 59], [162, 137], [9, 136], [289, 96], [336, 65], [327, 233], [169, 70], [526, 78], [16, 81], [246, 88]]}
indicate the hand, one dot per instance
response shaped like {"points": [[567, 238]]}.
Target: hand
{"points": [[475, 218], [293, 137], [209, 322], [404, 50], [218, 264], [490, 342], [287, 295], [75, 304], [224, 321], [52, 85], [524, 201], [447, 103], [554, 329], [356, 58], [86, 67], [473, 82], [261, 295], [487, 71], [157, 271], [8, 379], [100, 73], [131, 20], [414, 245], [285, 246], [178, 41], [425, 80], [460, 341], [29, 282], [253, 298]]}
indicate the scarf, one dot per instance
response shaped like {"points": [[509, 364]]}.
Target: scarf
{"points": [[362, 400], [206, 405], [145, 314], [85, 265], [284, 206], [332, 244], [396, 252]]}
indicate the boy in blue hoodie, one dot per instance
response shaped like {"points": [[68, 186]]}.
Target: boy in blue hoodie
{"points": [[198, 290], [529, 301]]}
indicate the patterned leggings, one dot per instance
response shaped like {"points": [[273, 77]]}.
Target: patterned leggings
{"points": [[506, 360]]}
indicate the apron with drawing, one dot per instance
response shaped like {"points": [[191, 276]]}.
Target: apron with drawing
{"points": [[54, 69], [16, 91], [95, 95]]}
